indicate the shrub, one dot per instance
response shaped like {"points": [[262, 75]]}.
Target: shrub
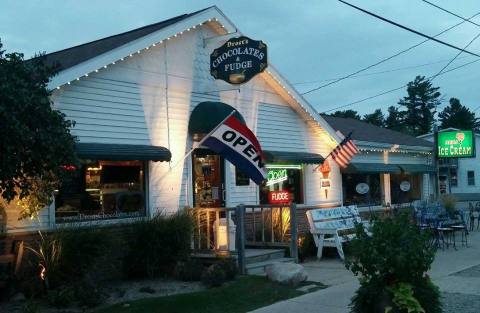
{"points": [[62, 297], [229, 267], [47, 253], [89, 293], [213, 276], [84, 248], [449, 202], [394, 258], [190, 270], [147, 289], [306, 246], [156, 245]]}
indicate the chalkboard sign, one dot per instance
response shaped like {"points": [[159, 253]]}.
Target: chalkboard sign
{"points": [[238, 60]]}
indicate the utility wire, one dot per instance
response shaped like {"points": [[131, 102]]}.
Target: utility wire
{"points": [[449, 12], [386, 59], [457, 55], [395, 89], [409, 29], [377, 73]]}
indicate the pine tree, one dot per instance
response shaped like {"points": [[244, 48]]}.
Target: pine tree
{"points": [[458, 116], [375, 118], [420, 104], [395, 119], [347, 114]]}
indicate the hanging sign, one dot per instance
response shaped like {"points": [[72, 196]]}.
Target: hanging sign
{"points": [[405, 186], [278, 197], [238, 60], [362, 188], [456, 144]]}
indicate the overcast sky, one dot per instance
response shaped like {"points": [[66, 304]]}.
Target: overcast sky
{"points": [[308, 41]]}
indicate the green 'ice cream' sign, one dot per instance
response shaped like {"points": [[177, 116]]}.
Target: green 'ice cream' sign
{"points": [[456, 144]]}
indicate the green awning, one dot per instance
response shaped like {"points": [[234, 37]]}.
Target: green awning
{"points": [[417, 168], [207, 115], [372, 168], [121, 152], [292, 157]]}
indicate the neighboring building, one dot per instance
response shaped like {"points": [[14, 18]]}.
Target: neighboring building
{"points": [[140, 101], [397, 167], [460, 176]]}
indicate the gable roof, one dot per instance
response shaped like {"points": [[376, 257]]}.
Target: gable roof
{"points": [[107, 51], [362, 131], [72, 56]]}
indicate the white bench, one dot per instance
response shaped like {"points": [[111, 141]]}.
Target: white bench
{"points": [[325, 225]]}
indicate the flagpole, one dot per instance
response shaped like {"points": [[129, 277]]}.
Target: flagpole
{"points": [[201, 141]]}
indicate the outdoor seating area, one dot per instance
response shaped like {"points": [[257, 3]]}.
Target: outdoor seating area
{"points": [[448, 227]]}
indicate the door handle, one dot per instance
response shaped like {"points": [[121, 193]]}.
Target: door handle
{"points": [[224, 193]]}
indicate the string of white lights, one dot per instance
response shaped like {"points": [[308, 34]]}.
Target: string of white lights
{"points": [[141, 50]]}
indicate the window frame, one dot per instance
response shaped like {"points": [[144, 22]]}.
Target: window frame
{"points": [[240, 181], [113, 220], [301, 181], [471, 179]]}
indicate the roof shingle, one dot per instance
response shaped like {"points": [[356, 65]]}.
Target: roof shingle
{"points": [[363, 131], [69, 57]]}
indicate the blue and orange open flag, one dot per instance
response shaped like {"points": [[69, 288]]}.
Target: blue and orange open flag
{"points": [[238, 144]]}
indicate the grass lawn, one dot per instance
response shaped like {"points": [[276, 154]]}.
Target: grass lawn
{"points": [[244, 294]]}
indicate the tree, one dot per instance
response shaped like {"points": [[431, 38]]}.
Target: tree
{"points": [[375, 118], [395, 119], [35, 141], [347, 114], [421, 104], [458, 116]]}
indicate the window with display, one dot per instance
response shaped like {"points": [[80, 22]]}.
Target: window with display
{"points": [[102, 190], [362, 189], [405, 188], [283, 185]]}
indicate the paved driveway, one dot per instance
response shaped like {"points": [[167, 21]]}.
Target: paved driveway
{"points": [[456, 272]]}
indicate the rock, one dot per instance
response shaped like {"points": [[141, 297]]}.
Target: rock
{"points": [[18, 297], [286, 273]]}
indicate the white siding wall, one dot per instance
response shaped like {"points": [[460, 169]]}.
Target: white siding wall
{"points": [[14, 225], [129, 103]]}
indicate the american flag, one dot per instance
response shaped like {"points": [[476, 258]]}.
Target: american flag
{"points": [[345, 151]]}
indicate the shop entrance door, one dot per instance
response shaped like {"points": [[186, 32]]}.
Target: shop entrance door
{"points": [[208, 179]]}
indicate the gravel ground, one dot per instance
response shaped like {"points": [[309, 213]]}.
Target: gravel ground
{"points": [[460, 303]]}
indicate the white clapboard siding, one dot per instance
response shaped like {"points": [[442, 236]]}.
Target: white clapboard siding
{"points": [[129, 103], [14, 225], [279, 128]]}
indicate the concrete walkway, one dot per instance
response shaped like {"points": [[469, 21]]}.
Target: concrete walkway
{"points": [[455, 272]]}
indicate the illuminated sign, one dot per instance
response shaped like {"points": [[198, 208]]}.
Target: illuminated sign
{"points": [[456, 144], [275, 176], [238, 60], [278, 197]]}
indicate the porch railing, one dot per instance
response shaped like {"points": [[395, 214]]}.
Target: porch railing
{"points": [[255, 225]]}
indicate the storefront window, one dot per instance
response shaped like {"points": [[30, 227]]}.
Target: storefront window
{"points": [[471, 178], [102, 190], [453, 177], [405, 188], [283, 185], [362, 189]]}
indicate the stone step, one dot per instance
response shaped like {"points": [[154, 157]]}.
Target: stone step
{"points": [[258, 268], [262, 255]]}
